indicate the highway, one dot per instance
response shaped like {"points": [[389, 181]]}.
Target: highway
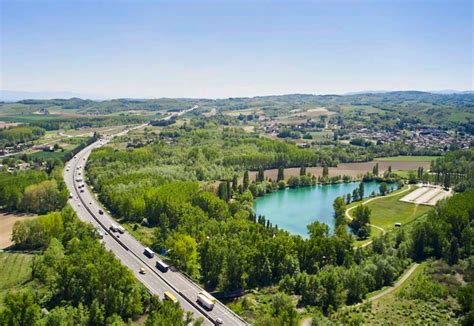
{"points": [[130, 251]]}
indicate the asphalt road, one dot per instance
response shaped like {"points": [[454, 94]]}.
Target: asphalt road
{"points": [[130, 251]]}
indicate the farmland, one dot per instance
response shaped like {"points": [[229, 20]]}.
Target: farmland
{"points": [[15, 272], [7, 220]]}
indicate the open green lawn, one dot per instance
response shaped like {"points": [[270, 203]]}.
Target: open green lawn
{"points": [[43, 155], [408, 158], [15, 271], [404, 173], [388, 211]]}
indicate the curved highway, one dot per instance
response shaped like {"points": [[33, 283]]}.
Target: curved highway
{"points": [[130, 251]]}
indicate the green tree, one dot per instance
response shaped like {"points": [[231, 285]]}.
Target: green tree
{"points": [[183, 251], [43, 197], [293, 182], [361, 219], [375, 170], [348, 199], [303, 171], [281, 173], [222, 191], [260, 175], [20, 309], [339, 211], [246, 181], [361, 191], [325, 172], [235, 183], [383, 188]]}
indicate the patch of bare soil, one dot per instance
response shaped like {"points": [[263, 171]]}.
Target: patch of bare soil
{"points": [[7, 220]]}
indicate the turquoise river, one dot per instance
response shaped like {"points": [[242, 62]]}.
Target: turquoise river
{"points": [[294, 209]]}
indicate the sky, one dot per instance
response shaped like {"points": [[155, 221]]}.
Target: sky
{"points": [[217, 49]]}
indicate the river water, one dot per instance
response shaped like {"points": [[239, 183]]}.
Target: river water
{"points": [[293, 209]]}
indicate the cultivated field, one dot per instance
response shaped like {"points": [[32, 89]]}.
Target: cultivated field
{"points": [[408, 158], [15, 271], [353, 170], [7, 124], [7, 221]]}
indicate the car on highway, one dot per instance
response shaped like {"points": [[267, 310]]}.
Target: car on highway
{"points": [[70, 195], [142, 270], [219, 321], [101, 212], [101, 234], [170, 297]]}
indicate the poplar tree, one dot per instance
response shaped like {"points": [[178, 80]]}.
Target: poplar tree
{"points": [[246, 180], [281, 173]]}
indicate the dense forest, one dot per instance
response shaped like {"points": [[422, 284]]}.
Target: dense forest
{"points": [[78, 282]]}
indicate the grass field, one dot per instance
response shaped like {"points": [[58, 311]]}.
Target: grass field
{"points": [[360, 108], [15, 272], [405, 173], [408, 158], [388, 211]]}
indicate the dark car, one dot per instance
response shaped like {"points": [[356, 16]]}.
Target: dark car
{"points": [[101, 212]]}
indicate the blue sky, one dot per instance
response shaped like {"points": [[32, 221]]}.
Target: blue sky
{"points": [[235, 48]]}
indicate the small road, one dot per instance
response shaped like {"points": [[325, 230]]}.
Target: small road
{"points": [[396, 285], [368, 201]]}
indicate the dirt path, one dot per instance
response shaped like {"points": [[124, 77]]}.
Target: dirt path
{"points": [[396, 285], [368, 201]]}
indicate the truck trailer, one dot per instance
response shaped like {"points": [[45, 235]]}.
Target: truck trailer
{"points": [[205, 302]]}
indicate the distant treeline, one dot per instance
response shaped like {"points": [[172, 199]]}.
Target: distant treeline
{"points": [[21, 134], [87, 122], [455, 169]]}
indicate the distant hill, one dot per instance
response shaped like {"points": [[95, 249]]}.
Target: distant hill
{"points": [[14, 96]]}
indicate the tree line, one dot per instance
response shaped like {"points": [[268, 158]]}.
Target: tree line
{"points": [[33, 191], [15, 135]]}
